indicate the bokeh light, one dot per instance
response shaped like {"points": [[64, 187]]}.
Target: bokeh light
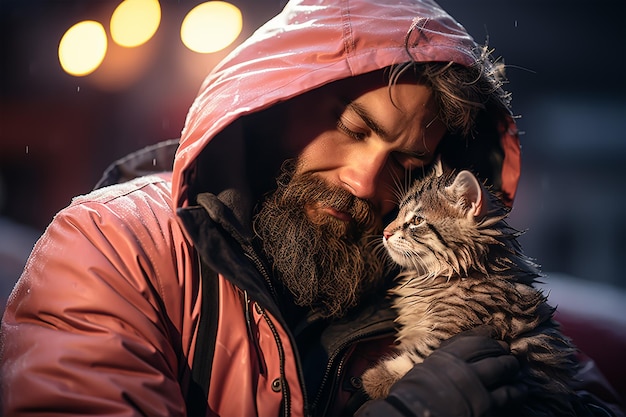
{"points": [[82, 48], [211, 26], [134, 22], [123, 67]]}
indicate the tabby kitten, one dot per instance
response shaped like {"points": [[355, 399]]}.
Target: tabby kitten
{"points": [[463, 267]]}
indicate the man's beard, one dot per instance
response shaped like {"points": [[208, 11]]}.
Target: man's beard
{"points": [[327, 264]]}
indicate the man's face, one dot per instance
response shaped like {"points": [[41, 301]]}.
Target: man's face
{"points": [[364, 140], [355, 147]]}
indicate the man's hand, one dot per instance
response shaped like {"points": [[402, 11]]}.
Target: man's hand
{"points": [[469, 375]]}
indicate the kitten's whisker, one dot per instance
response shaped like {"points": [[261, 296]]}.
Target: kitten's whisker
{"points": [[399, 187]]}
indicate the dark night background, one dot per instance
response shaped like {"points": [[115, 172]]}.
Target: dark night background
{"points": [[567, 70]]}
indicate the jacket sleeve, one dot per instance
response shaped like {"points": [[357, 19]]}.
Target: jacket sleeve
{"points": [[83, 332], [595, 393]]}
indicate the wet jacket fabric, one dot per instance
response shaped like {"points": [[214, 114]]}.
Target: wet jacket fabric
{"points": [[128, 285]]}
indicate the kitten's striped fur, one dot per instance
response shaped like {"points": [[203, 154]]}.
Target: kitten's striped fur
{"points": [[463, 267]]}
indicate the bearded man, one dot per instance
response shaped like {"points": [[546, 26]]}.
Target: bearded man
{"points": [[204, 289]]}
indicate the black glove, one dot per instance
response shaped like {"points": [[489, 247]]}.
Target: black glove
{"points": [[469, 375]]}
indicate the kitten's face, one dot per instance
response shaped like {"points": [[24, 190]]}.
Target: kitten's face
{"points": [[435, 224]]}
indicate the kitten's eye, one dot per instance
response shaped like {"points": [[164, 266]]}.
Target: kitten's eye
{"points": [[416, 220]]}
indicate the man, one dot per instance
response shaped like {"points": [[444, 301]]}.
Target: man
{"points": [[246, 282]]}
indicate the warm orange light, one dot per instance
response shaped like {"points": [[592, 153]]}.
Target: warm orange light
{"points": [[211, 26], [82, 48], [134, 22]]}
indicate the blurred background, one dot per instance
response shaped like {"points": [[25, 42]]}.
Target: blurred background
{"points": [[62, 124]]}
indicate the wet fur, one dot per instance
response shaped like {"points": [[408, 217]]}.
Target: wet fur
{"points": [[463, 267]]}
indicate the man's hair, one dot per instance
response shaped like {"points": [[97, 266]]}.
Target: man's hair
{"points": [[461, 92]]}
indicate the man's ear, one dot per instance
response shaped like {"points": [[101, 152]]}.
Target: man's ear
{"points": [[469, 194]]}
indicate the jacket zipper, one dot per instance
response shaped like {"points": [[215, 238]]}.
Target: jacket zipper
{"points": [[328, 373], [251, 254], [281, 352], [251, 335], [281, 355]]}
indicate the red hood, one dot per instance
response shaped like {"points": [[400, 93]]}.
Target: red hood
{"points": [[309, 44]]}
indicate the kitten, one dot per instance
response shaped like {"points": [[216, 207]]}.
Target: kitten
{"points": [[463, 267]]}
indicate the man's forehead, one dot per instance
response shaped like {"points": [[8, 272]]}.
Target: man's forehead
{"points": [[352, 87]]}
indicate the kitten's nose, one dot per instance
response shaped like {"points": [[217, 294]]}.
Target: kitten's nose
{"points": [[386, 234]]}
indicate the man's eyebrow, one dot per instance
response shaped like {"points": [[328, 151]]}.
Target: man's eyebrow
{"points": [[369, 120], [379, 130]]}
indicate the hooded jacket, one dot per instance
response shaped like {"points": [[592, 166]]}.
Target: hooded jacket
{"points": [[128, 285]]}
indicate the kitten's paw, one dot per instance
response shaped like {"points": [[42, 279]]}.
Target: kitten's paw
{"points": [[377, 381]]}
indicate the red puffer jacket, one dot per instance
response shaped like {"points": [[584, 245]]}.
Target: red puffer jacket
{"points": [[105, 319]]}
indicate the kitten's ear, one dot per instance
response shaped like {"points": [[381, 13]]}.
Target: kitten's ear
{"points": [[469, 193]]}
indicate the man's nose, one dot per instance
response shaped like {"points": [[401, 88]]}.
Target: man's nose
{"points": [[361, 175]]}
